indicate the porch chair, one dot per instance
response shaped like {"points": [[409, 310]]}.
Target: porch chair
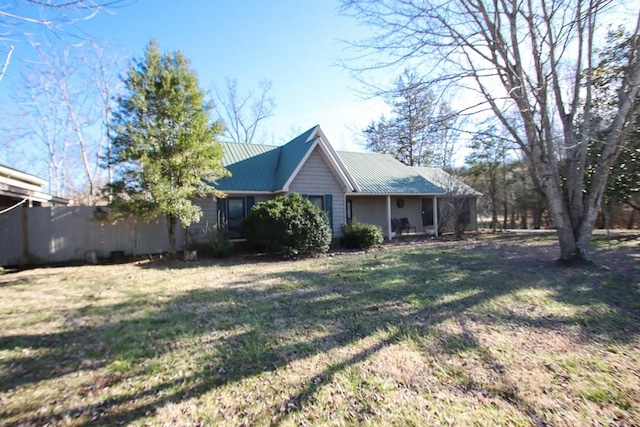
{"points": [[404, 225], [395, 226]]}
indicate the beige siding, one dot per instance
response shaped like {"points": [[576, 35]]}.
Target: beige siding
{"points": [[371, 210], [316, 178], [203, 231], [209, 221], [412, 210]]}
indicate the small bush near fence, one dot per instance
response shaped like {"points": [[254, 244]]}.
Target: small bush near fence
{"points": [[288, 225], [220, 249], [361, 236], [220, 246]]}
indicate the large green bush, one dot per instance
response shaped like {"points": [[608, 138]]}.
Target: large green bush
{"points": [[361, 236], [288, 225]]}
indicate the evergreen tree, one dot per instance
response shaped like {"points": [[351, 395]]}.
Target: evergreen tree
{"points": [[164, 147], [419, 131]]}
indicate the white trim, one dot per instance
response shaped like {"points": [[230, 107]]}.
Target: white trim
{"points": [[397, 194], [8, 172], [34, 196], [246, 192], [335, 157], [347, 184], [330, 160], [295, 172]]}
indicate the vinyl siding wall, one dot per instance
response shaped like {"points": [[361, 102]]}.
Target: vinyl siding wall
{"points": [[371, 210], [412, 210], [203, 231], [316, 178]]}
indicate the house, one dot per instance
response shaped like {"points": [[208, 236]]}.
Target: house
{"points": [[366, 187], [18, 187]]}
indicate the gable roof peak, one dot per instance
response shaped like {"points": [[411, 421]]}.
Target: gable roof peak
{"points": [[279, 165]]}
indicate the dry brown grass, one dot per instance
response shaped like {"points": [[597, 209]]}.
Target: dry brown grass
{"points": [[486, 331]]}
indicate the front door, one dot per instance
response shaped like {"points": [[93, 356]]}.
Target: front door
{"points": [[427, 212]]}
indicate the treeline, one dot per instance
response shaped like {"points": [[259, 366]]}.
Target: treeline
{"points": [[512, 200]]}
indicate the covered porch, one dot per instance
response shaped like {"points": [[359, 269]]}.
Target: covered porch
{"points": [[396, 214]]}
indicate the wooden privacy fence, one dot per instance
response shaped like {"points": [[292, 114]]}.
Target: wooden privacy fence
{"points": [[61, 234]]}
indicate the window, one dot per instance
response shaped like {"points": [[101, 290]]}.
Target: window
{"points": [[324, 203], [236, 213], [427, 212], [318, 201], [349, 211], [233, 211]]}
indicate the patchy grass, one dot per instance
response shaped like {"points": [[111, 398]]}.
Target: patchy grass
{"points": [[486, 331]]}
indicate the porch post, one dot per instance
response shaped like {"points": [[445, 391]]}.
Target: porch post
{"points": [[435, 216], [389, 231]]}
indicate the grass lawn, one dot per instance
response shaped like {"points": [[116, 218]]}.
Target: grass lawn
{"points": [[485, 331]]}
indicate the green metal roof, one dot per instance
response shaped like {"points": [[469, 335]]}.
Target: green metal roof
{"points": [[383, 174], [252, 167], [291, 154], [257, 167], [448, 183], [268, 168]]}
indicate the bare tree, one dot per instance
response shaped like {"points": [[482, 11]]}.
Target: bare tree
{"points": [[41, 126], [487, 163], [20, 18], [456, 205], [243, 114], [65, 99], [530, 60], [107, 84]]}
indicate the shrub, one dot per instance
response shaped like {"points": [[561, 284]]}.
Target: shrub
{"points": [[361, 236], [288, 225], [220, 246]]}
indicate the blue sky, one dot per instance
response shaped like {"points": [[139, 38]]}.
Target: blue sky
{"points": [[293, 43]]}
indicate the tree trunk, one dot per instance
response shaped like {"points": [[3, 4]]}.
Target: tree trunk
{"points": [[538, 210], [171, 229], [524, 219], [631, 219], [569, 249], [494, 215], [505, 213]]}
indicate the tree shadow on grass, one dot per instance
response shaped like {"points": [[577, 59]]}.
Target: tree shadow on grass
{"points": [[238, 332]]}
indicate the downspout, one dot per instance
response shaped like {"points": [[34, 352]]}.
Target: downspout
{"points": [[389, 231]]}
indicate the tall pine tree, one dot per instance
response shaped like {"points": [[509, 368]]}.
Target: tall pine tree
{"points": [[420, 130], [164, 147]]}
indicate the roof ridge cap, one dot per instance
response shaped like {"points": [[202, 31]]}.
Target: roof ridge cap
{"points": [[250, 144]]}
